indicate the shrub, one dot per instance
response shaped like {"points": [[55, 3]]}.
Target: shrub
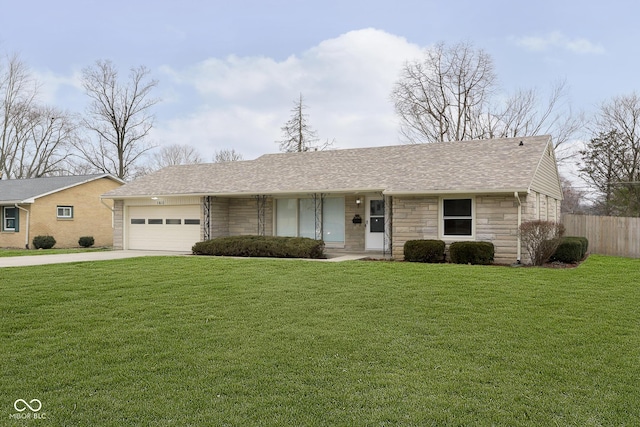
{"points": [[571, 250], [261, 246], [424, 250], [86, 241], [540, 238], [472, 252], [43, 242]]}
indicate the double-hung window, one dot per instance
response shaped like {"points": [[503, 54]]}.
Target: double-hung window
{"points": [[9, 218], [65, 212], [457, 217]]}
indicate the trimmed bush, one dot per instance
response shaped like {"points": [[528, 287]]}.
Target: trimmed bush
{"points": [[571, 250], [43, 242], [261, 246], [86, 241], [424, 250], [472, 252], [585, 245]]}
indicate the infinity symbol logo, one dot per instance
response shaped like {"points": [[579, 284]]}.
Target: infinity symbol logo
{"points": [[37, 405]]}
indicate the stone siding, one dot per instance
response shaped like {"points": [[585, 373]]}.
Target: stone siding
{"points": [[118, 224], [413, 218], [243, 217], [497, 222], [219, 217], [354, 233]]}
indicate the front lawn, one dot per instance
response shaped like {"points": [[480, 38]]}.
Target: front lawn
{"points": [[53, 251], [192, 341]]}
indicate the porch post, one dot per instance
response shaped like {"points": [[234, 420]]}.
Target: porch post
{"points": [[388, 225], [206, 208], [261, 202]]}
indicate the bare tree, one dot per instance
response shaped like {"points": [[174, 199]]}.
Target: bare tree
{"points": [[175, 154], [611, 158], [119, 116], [43, 143], [525, 114], [450, 95], [226, 155], [34, 139], [443, 96], [297, 134], [572, 197]]}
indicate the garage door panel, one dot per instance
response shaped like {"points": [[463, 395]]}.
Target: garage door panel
{"points": [[174, 228]]}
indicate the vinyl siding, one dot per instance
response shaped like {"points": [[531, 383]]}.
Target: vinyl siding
{"points": [[546, 179]]}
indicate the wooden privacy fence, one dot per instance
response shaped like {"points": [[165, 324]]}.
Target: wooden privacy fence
{"points": [[608, 235]]}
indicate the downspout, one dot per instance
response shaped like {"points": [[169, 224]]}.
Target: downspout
{"points": [[113, 219], [26, 239], [519, 249]]}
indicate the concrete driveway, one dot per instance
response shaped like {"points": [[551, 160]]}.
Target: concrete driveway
{"points": [[27, 260]]}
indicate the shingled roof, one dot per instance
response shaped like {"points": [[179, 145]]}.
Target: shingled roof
{"points": [[27, 190], [498, 165]]}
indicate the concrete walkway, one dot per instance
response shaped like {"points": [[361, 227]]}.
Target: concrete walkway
{"points": [[27, 260]]}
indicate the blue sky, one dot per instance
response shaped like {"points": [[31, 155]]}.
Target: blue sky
{"points": [[229, 71]]}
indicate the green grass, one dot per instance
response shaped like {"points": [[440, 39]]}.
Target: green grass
{"points": [[53, 251], [192, 341]]}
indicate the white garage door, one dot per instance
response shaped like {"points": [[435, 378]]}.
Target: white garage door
{"points": [[163, 228]]}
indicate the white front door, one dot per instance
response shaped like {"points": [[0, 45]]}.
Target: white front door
{"points": [[374, 222]]}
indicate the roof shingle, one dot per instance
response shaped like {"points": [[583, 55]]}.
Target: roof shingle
{"points": [[23, 190], [498, 165]]}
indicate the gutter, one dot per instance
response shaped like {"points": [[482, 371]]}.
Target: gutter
{"points": [[519, 247], [26, 241]]}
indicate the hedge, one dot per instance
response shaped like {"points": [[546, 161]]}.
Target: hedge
{"points": [[471, 252], [86, 241], [571, 250], [424, 251], [43, 242], [261, 246]]}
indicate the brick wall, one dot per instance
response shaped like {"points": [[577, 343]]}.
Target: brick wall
{"points": [[90, 216]]}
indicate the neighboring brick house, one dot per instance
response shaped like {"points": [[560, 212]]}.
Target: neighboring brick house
{"points": [[65, 207], [366, 199]]}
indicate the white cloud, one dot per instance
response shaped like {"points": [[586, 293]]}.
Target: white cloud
{"points": [[53, 87], [558, 40], [241, 102]]}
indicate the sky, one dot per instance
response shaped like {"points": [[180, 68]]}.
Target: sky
{"points": [[229, 71]]}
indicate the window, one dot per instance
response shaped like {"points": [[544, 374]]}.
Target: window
{"points": [[10, 219], [137, 221], [333, 219], [155, 221], [65, 212], [297, 217], [286, 217], [457, 215], [191, 222], [173, 222]]}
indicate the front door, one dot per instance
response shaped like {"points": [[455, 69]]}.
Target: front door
{"points": [[374, 221]]}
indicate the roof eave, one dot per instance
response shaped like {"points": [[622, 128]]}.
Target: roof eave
{"points": [[247, 193], [449, 191]]}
